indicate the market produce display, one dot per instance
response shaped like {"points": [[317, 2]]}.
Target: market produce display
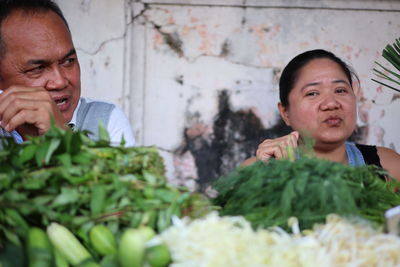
{"points": [[68, 201], [66, 178]]}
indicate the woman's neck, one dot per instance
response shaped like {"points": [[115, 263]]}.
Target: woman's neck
{"points": [[336, 153]]}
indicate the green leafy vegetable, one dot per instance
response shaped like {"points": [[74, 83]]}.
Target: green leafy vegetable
{"points": [[67, 178], [267, 194]]}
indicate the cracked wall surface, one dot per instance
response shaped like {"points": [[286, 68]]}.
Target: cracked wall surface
{"points": [[198, 79]]}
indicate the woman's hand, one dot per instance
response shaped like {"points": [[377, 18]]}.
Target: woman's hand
{"points": [[278, 147]]}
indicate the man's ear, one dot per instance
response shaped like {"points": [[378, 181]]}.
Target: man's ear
{"points": [[284, 113]]}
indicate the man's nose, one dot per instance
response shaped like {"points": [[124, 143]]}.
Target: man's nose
{"points": [[330, 102], [57, 79]]}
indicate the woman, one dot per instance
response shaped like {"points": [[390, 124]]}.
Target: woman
{"points": [[317, 100]]}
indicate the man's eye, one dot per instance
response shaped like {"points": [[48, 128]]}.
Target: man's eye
{"points": [[68, 62], [35, 70]]}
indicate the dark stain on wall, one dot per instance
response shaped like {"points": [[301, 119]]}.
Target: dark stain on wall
{"points": [[174, 42], [235, 138], [225, 49]]}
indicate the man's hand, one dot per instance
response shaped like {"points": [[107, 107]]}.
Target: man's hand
{"points": [[277, 148], [28, 110]]}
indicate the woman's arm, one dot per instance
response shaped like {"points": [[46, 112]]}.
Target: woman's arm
{"points": [[390, 161]]}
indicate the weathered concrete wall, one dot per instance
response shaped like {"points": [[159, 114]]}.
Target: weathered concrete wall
{"points": [[199, 78]]}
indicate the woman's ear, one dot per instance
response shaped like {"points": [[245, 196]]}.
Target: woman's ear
{"points": [[284, 113]]}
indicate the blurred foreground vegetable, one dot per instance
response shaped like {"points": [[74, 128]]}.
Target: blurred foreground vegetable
{"points": [[39, 248], [67, 244], [66, 178]]}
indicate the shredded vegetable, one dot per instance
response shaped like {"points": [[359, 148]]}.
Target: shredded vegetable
{"points": [[231, 241]]}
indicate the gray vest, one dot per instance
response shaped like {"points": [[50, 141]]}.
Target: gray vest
{"points": [[90, 114]]}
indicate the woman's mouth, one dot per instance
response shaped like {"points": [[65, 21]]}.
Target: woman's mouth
{"points": [[333, 121]]}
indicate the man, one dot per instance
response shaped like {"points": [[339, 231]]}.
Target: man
{"points": [[40, 76]]}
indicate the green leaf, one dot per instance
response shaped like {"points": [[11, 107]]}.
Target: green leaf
{"points": [[34, 184], [149, 177], [41, 153], [103, 133], [67, 196], [166, 195], [386, 69], [27, 153], [82, 158], [97, 202], [65, 160], [392, 54], [388, 86], [54, 143], [17, 219]]}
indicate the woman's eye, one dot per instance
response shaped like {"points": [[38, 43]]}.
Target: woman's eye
{"points": [[312, 93], [341, 90]]}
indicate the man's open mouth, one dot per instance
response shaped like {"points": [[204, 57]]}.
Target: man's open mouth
{"points": [[61, 101]]}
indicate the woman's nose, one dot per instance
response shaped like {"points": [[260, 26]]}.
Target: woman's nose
{"points": [[330, 102]]}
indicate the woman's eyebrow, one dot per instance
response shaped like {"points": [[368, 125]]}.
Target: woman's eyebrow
{"points": [[341, 81], [309, 84], [318, 83]]}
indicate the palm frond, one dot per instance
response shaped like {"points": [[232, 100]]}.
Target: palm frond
{"points": [[384, 84], [392, 54]]}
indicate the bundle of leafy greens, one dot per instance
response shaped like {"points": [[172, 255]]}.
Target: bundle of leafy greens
{"points": [[268, 194], [64, 177]]}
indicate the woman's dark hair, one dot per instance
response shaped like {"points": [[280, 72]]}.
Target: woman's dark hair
{"points": [[291, 71], [7, 7]]}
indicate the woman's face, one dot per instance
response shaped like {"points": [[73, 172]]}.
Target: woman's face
{"points": [[322, 103]]}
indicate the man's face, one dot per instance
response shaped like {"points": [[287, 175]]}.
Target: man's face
{"points": [[40, 53]]}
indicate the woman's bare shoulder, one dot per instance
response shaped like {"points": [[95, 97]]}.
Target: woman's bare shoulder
{"points": [[390, 160]]}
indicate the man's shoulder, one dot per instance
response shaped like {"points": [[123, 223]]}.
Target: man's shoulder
{"points": [[92, 102]]}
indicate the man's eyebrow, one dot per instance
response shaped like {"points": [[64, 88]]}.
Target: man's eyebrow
{"points": [[46, 62], [70, 53], [38, 62]]}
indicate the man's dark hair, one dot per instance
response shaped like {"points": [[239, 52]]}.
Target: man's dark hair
{"points": [[291, 71], [7, 7]]}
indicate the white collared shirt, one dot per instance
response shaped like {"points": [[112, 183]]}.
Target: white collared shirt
{"points": [[118, 126]]}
